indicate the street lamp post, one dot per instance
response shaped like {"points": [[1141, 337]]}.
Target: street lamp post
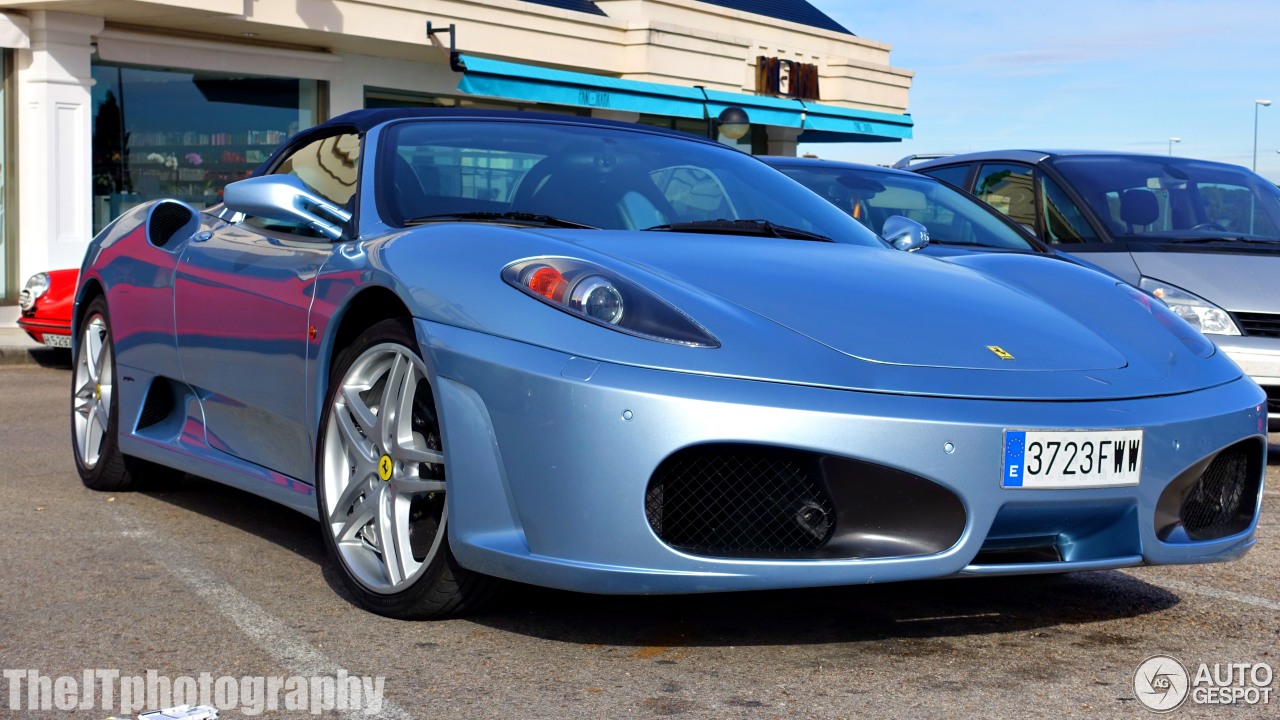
{"points": [[1256, 105], [1173, 140]]}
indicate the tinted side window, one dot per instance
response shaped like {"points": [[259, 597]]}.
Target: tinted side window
{"points": [[328, 167], [1008, 188], [954, 174], [1063, 221]]}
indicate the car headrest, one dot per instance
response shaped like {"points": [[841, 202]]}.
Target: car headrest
{"points": [[409, 199], [1139, 207]]}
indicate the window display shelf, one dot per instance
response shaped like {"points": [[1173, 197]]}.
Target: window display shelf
{"points": [[181, 139], [192, 156]]}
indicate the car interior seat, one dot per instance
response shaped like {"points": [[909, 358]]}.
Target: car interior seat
{"points": [[1138, 207], [409, 197], [580, 189]]}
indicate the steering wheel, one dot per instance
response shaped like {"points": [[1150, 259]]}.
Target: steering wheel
{"points": [[1209, 226]]}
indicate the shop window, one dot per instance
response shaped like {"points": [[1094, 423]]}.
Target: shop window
{"points": [[185, 135], [685, 125]]}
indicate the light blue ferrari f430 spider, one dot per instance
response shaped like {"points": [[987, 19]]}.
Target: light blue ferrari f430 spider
{"points": [[617, 359]]}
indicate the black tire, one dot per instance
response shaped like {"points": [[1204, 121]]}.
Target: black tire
{"points": [[439, 587], [110, 470]]}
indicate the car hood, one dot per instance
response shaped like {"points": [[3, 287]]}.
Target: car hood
{"points": [[1235, 281], [821, 314], [889, 307]]}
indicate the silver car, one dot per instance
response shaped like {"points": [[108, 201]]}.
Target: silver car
{"points": [[1202, 236]]}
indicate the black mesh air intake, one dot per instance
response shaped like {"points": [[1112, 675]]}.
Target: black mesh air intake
{"points": [[741, 500], [166, 220], [159, 404], [1223, 500]]}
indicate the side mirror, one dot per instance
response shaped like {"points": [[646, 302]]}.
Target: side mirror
{"points": [[904, 233], [285, 198]]}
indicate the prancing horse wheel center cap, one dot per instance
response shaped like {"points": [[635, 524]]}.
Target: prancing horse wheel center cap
{"points": [[384, 468]]}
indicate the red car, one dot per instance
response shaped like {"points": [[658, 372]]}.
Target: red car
{"points": [[46, 304]]}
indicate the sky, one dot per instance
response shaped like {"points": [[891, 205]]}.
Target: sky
{"points": [[1122, 75]]}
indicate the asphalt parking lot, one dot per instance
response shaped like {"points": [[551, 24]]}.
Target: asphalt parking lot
{"points": [[201, 578]]}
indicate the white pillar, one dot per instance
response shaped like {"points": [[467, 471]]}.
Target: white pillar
{"points": [[55, 142], [783, 141], [346, 92]]}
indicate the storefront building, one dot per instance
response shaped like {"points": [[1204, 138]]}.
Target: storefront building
{"points": [[109, 103]]}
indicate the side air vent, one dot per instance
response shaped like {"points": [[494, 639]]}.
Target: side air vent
{"points": [[1222, 502], [166, 220], [1214, 498], [158, 405], [741, 501], [756, 501]]}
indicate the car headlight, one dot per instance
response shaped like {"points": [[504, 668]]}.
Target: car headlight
{"points": [[1189, 336], [599, 296], [36, 286], [1200, 313]]}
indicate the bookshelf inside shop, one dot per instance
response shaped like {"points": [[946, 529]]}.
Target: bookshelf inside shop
{"points": [[189, 166]]}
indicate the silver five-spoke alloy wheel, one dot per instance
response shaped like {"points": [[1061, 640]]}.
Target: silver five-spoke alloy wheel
{"points": [[383, 470], [92, 400]]}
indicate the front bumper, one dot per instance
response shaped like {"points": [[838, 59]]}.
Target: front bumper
{"points": [[1259, 358], [42, 330], [549, 458]]}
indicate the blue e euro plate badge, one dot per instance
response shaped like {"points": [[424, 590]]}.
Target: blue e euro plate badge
{"points": [[1069, 459], [1015, 449]]}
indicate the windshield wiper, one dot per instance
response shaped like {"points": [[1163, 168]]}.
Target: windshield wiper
{"points": [[524, 218], [742, 227]]}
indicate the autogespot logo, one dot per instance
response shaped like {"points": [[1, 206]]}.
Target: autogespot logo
{"points": [[1161, 683]]}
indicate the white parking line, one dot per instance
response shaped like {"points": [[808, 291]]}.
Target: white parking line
{"points": [[1193, 588], [265, 630]]}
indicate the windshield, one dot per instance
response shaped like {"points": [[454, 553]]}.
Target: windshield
{"points": [[871, 197], [600, 177], [1160, 199]]}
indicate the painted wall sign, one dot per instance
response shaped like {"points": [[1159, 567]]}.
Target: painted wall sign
{"points": [[776, 76]]}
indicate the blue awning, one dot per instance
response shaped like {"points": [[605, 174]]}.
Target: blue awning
{"points": [[533, 83], [761, 109], [831, 123]]}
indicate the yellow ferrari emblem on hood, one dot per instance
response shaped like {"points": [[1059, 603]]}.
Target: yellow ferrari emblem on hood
{"points": [[1000, 352]]}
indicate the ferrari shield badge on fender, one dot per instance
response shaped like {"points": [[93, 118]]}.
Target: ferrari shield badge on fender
{"points": [[1000, 352]]}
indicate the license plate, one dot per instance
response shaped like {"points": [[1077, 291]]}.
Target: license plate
{"points": [[1055, 459], [58, 341]]}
